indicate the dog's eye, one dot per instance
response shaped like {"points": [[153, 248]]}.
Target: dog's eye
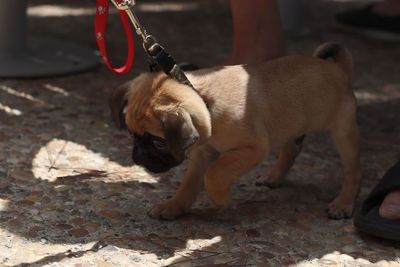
{"points": [[159, 144]]}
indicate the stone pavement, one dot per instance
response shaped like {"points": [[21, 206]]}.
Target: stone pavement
{"points": [[69, 195]]}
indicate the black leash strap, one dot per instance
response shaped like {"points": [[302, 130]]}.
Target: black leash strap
{"points": [[160, 57]]}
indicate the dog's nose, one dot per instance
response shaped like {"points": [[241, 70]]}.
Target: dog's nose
{"points": [[137, 155], [137, 160]]}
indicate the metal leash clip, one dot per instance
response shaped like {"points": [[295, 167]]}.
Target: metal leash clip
{"points": [[126, 5], [156, 52]]}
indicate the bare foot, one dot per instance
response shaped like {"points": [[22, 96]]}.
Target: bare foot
{"points": [[390, 207]]}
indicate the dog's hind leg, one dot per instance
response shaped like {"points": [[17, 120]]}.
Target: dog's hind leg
{"points": [[346, 137], [285, 160]]}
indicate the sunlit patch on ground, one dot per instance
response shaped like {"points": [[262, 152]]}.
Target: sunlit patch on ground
{"points": [[195, 252], [60, 11], [388, 92], [144, 6], [4, 204], [169, 6], [337, 259], [10, 111], [59, 158], [20, 94], [56, 89]]}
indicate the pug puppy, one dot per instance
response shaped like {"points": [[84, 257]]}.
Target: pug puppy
{"points": [[235, 116]]}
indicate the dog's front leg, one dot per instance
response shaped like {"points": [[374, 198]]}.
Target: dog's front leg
{"points": [[189, 188], [222, 172]]}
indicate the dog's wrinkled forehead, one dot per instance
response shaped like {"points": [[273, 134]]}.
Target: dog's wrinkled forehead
{"points": [[140, 123], [140, 111]]}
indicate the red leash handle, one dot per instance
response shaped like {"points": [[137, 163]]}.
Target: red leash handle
{"points": [[100, 25]]}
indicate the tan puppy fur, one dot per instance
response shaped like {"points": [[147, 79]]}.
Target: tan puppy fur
{"points": [[240, 114]]}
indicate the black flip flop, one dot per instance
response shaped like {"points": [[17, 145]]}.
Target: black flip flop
{"points": [[368, 219]]}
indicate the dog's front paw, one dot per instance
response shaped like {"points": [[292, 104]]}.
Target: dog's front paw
{"points": [[339, 209], [220, 201], [168, 210]]}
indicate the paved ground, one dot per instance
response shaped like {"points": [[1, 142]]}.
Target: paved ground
{"points": [[69, 195]]}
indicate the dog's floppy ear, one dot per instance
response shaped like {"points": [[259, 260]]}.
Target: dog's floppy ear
{"points": [[118, 102], [180, 132]]}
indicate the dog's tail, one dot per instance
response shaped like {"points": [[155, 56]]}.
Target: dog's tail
{"points": [[338, 53]]}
